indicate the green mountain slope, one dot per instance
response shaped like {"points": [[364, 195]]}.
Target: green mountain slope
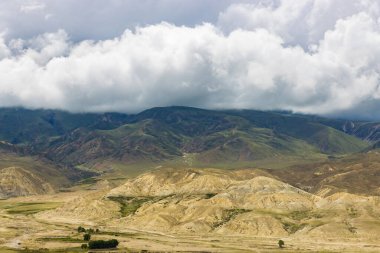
{"points": [[142, 141], [327, 139], [20, 126], [209, 137], [58, 148]]}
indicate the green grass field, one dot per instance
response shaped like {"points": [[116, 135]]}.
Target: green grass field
{"points": [[68, 250], [60, 239], [27, 208]]}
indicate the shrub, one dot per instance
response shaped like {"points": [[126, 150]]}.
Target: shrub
{"points": [[81, 229], [101, 244], [210, 195], [281, 243], [84, 246], [86, 237]]}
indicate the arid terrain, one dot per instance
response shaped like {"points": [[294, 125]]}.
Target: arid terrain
{"points": [[183, 179], [191, 210], [183, 126]]}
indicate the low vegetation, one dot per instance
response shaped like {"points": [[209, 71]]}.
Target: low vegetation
{"points": [[59, 239], [123, 234], [81, 229], [352, 212], [129, 205], [95, 244], [102, 244], [210, 195], [27, 208], [350, 227], [291, 227], [228, 215], [90, 180]]}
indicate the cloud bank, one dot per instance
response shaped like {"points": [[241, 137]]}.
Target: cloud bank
{"points": [[312, 56]]}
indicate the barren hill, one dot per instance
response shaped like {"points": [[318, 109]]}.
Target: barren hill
{"points": [[15, 181], [25, 175], [239, 202], [357, 174]]}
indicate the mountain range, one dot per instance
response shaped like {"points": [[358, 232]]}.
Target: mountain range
{"points": [[76, 146], [169, 132], [212, 177]]}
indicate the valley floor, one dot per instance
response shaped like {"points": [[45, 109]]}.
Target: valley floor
{"points": [[21, 232], [22, 229]]}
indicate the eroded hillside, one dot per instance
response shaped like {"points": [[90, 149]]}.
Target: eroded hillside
{"points": [[241, 202], [210, 210], [317, 182]]}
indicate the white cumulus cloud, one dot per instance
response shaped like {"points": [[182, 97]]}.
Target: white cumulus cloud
{"points": [[292, 55]]}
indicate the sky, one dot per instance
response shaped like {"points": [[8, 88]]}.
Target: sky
{"points": [[310, 56]]}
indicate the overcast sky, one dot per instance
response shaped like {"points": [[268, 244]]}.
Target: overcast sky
{"points": [[309, 56]]}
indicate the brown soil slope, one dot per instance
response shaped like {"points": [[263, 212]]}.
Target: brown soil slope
{"points": [[15, 181], [241, 202], [357, 174]]}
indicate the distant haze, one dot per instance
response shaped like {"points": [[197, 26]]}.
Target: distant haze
{"points": [[309, 56]]}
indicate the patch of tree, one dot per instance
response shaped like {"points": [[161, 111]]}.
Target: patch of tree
{"points": [[281, 244], [86, 237], [88, 231], [101, 244]]}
